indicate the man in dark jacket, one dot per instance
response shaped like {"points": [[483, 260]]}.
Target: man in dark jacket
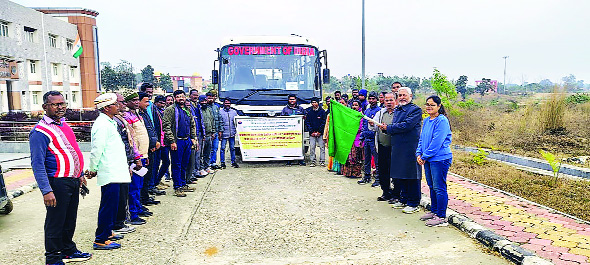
{"points": [[315, 121], [195, 168], [154, 145], [405, 134], [180, 134], [293, 108], [368, 137]]}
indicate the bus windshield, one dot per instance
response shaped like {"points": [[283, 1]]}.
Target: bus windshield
{"points": [[273, 67]]}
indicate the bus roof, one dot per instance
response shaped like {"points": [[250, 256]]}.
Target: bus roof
{"points": [[268, 39]]}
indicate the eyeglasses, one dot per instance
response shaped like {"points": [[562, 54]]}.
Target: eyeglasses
{"points": [[58, 105]]}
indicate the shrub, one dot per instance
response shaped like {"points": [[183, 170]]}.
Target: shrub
{"points": [[479, 158], [552, 113], [578, 98]]}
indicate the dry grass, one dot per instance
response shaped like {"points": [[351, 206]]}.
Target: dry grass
{"points": [[569, 196], [521, 131]]}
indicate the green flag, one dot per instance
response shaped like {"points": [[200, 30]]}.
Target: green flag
{"points": [[344, 125]]}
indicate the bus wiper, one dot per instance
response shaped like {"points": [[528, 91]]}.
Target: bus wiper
{"points": [[255, 91]]}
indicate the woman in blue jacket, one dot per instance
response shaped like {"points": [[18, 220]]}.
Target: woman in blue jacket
{"points": [[434, 153]]}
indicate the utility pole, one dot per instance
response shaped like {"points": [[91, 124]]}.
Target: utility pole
{"points": [[363, 53], [504, 84]]}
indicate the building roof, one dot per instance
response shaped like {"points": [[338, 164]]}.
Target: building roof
{"points": [[292, 39], [66, 10]]}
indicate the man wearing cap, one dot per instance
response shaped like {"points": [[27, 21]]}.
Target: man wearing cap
{"points": [[141, 140], [211, 97], [196, 169], [315, 121], [60, 188], [368, 137], [213, 129], [108, 161], [180, 134]]}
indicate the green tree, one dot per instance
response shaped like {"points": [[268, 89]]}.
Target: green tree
{"points": [[108, 77], [147, 74], [483, 86], [166, 83], [462, 88], [443, 87], [125, 75]]}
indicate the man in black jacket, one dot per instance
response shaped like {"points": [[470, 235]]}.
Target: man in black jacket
{"points": [[153, 146], [315, 121]]}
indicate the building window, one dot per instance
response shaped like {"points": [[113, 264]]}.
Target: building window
{"points": [[30, 34], [3, 29], [33, 67], [52, 41], [55, 72], [35, 98], [70, 44], [74, 97], [72, 71]]}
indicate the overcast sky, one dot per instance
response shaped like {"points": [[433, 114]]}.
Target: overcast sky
{"points": [[543, 39]]}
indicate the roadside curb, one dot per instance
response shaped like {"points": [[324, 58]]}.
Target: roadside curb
{"points": [[22, 190], [508, 249]]}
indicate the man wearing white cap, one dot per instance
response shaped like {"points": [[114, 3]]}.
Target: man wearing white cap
{"points": [[108, 161]]}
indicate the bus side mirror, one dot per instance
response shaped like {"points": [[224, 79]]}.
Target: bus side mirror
{"points": [[215, 77], [326, 76]]}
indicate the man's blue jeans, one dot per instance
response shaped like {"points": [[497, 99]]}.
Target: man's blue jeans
{"points": [[232, 149], [206, 152], [165, 159], [436, 177], [180, 161], [371, 152]]}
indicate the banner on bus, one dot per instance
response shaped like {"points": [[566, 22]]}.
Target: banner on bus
{"points": [[273, 138]]}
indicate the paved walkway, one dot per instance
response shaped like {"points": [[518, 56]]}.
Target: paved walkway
{"points": [[550, 235], [17, 178]]}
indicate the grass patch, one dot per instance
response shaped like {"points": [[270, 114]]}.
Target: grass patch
{"points": [[568, 195]]}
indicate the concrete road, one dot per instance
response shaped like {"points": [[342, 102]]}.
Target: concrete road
{"points": [[262, 213]]}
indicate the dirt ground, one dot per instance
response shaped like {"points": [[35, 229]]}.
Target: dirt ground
{"points": [[262, 213]]}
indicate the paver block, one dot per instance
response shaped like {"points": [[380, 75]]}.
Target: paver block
{"points": [[584, 245], [501, 222], [513, 228], [491, 217], [580, 251], [535, 230], [553, 248], [549, 254], [526, 235], [518, 239], [562, 243], [533, 247], [573, 257], [542, 242], [550, 237]]}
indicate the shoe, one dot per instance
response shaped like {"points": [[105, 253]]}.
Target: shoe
{"points": [[392, 201], [57, 263], [107, 245], [125, 230], [223, 166], [375, 184], [188, 188], [209, 170], [410, 209], [191, 181], [289, 163], [116, 237], [235, 165], [427, 216], [153, 201], [164, 184], [202, 173], [302, 163], [437, 221], [322, 164], [215, 167], [77, 256], [137, 221], [145, 214], [382, 199], [312, 164], [398, 205], [161, 187], [179, 193], [167, 176], [364, 181], [156, 192]]}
